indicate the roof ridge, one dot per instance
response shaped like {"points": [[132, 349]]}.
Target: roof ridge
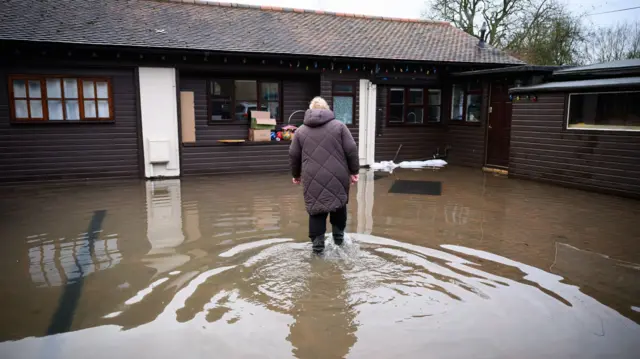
{"points": [[302, 11]]}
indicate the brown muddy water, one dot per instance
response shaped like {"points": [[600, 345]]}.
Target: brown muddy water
{"points": [[220, 267]]}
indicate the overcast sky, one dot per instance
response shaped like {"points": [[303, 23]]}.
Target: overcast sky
{"points": [[413, 8]]}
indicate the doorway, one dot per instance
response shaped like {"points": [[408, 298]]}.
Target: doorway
{"points": [[499, 126]]}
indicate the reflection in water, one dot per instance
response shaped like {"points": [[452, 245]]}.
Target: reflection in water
{"points": [[164, 225], [373, 298], [222, 267], [54, 262]]}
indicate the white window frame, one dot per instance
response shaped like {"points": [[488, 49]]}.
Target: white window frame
{"points": [[602, 128]]}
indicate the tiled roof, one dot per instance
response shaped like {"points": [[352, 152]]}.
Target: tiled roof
{"points": [[210, 26]]}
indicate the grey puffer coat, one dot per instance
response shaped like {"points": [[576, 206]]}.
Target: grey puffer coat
{"points": [[324, 155]]}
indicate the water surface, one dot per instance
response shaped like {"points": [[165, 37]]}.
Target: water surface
{"points": [[220, 266]]}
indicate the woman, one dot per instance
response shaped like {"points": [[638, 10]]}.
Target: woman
{"points": [[324, 157]]}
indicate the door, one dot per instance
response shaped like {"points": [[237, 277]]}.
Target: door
{"points": [[499, 126]]}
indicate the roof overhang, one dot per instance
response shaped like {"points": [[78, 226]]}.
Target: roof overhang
{"points": [[624, 82]]}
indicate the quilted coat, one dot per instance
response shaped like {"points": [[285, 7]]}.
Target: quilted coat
{"points": [[323, 155]]}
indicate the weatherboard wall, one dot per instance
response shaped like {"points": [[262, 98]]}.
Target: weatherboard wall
{"points": [[543, 149], [60, 151]]}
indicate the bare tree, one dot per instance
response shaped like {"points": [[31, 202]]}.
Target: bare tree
{"points": [[522, 27], [554, 39], [618, 42]]}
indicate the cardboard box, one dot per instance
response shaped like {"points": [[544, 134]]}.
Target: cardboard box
{"points": [[259, 135], [260, 120]]}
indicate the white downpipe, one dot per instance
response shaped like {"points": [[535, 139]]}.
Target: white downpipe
{"points": [[363, 102], [367, 122], [371, 124]]}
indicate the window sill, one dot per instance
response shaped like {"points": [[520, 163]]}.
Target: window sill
{"points": [[588, 128], [228, 122], [238, 144], [404, 124], [464, 123], [63, 123]]}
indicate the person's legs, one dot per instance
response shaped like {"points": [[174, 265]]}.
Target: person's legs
{"points": [[338, 220], [317, 228]]}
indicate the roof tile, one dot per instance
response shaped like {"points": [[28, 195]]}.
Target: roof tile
{"points": [[229, 27]]}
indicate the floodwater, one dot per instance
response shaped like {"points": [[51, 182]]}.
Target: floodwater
{"points": [[220, 267]]}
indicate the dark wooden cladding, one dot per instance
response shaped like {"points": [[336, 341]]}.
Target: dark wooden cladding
{"points": [[542, 149], [40, 151], [296, 96], [418, 142], [467, 145], [208, 156], [241, 158]]}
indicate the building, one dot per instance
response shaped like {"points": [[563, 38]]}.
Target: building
{"points": [[581, 129], [109, 89]]}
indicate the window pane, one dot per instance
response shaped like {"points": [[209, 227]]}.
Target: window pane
{"points": [[246, 90], [396, 113], [73, 112], [434, 114], [605, 111], [21, 109], [220, 110], [89, 109], [273, 108], [70, 88], [36, 108], [55, 109], [415, 96], [102, 90], [20, 88], [269, 91], [34, 89], [474, 102], [243, 108], [221, 88], [342, 87], [457, 103], [435, 97], [103, 109], [396, 96], [343, 109], [88, 91], [414, 114], [53, 88]]}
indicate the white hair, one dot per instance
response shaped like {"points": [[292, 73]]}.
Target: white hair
{"points": [[318, 103]]}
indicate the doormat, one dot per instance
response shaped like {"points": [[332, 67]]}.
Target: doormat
{"points": [[417, 187]]}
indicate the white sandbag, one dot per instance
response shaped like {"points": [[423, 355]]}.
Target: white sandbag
{"points": [[389, 166], [423, 164]]}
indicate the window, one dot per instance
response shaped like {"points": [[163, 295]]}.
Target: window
{"points": [[54, 98], [344, 98], [604, 111], [414, 105], [466, 103], [233, 100], [433, 105]]}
